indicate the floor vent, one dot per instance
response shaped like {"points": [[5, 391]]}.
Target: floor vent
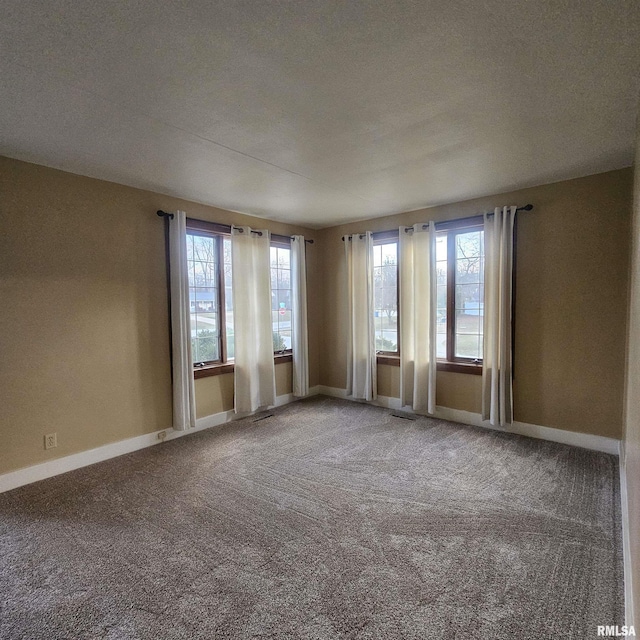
{"points": [[264, 417], [403, 415]]}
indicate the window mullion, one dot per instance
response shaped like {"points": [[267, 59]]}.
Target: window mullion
{"points": [[451, 295], [222, 309]]}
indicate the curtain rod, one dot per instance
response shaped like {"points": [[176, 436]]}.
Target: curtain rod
{"points": [[227, 227], [480, 216]]}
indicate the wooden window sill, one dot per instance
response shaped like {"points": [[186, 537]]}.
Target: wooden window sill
{"points": [[460, 367], [228, 367], [454, 367], [212, 370]]}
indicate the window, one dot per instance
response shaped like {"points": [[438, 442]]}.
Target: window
{"points": [[211, 296], [460, 295], [459, 300], [281, 312], [385, 287], [209, 265]]}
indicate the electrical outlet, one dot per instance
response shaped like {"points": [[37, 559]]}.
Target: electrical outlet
{"points": [[51, 440], [162, 435]]}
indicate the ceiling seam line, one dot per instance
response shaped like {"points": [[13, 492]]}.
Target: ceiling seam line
{"points": [[203, 138]]}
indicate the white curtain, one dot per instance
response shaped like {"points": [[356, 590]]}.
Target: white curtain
{"points": [[417, 284], [361, 348], [497, 388], [184, 404], [255, 379], [299, 337]]}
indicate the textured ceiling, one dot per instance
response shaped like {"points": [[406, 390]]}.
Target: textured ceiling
{"points": [[321, 112]]}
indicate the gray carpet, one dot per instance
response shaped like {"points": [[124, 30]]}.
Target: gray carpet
{"points": [[329, 520]]}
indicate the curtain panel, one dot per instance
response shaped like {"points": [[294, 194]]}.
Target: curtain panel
{"points": [[361, 348], [299, 331], [417, 255], [184, 404], [254, 371], [497, 387]]}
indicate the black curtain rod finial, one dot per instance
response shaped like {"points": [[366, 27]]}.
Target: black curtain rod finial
{"points": [[164, 214]]}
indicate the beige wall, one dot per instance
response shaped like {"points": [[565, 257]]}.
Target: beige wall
{"points": [[631, 448], [215, 393], [83, 313], [83, 319], [572, 271]]}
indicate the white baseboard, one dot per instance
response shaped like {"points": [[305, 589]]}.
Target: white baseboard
{"points": [[334, 392], [51, 468], [626, 541], [583, 440], [44, 470]]}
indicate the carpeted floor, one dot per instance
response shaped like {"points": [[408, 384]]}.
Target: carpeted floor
{"points": [[329, 520]]}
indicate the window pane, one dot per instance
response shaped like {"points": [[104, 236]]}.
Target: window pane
{"points": [[377, 276], [194, 341], [467, 346], [199, 277], [204, 249], [469, 270], [389, 253], [230, 344], [466, 323], [385, 279], [281, 298], [468, 298], [285, 337], [206, 322], [228, 297], [207, 347], [284, 256], [470, 244], [204, 296], [441, 345], [469, 294], [441, 296], [468, 338], [390, 337], [389, 274], [467, 266], [210, 274], [205, 299], [284, 279], [441, 273], [278, 342], [284, 300], [386, 333]]}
